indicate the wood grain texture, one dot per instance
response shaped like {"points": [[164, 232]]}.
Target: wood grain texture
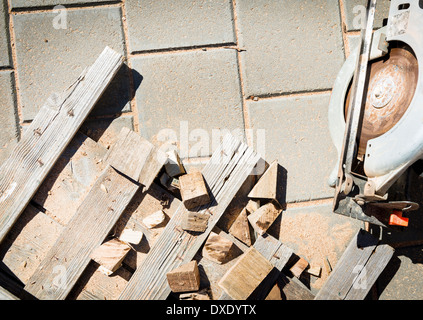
{"points": [[246, 275], [357, 270], [87, 230], [47, 137], [6, 295], [145, 162], [225, 173], [185, 278]]}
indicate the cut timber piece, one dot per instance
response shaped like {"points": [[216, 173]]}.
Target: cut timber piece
{"points": [[196, 221], [263, 217], [298, 268], [246, 275], [357, 270], [145, 163], [131, 236], [266, 187], [225, 173], [174, 166], [110, 255], [216, 248], [185, 278], [47, 136], [252, 205], [193, 190], [241, 229], [154, 219], [315, 271]]}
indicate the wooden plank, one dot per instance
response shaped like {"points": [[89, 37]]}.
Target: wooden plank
{"points": [[47, 137], [99, 212], [28, 242], [225, 173], [246, 275], [144, 164], [6, 295], [87, 230], [357, 269]]}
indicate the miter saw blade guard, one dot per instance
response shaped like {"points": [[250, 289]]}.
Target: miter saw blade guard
{"points": [[390, 127]]}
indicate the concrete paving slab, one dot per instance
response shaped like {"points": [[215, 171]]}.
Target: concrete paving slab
{"points": [[290, 46], [19, 4], [297, 135], [5, 58], [181, 23], [355, 10], [8, 115], [192, 94], [50, 59]]}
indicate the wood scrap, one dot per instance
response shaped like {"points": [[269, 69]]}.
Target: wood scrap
{"points": [[262, 218], [246, 275], [357, 270], [185, 278], [110, 255], [267, 187], [241, 228], [314, 271], [200, 295], [155, 219], [299, 266], [193, 190], [252, 205], [6, 295], [216, 248], [30, 161], [131, 236], [174, 166], [195, 221], [229, 167]]}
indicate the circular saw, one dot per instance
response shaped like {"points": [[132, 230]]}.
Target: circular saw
{"points": [[376, 115]]}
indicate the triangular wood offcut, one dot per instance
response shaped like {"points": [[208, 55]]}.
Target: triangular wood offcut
{"points": [[266, 187], [240, 229]]}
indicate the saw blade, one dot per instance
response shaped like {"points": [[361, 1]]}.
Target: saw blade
{"points": [[390, 90]]}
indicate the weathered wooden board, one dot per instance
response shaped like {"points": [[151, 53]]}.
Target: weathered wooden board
{"points": [[357, 270], [71, 178], [225, 173], [28, 242], [47, 137], [144, 164], [87, 230], [6, 295]]}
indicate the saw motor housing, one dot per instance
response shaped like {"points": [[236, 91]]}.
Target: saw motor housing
{"points": [[382, 157]]}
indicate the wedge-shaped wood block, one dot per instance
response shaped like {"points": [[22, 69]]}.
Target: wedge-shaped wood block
{"points": [[174, 166], [193, 190], [110, 254], [216, 248], [47, 136], [240, 229], [266, 187], [263, 217], [246, 275], [186, 278]]}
